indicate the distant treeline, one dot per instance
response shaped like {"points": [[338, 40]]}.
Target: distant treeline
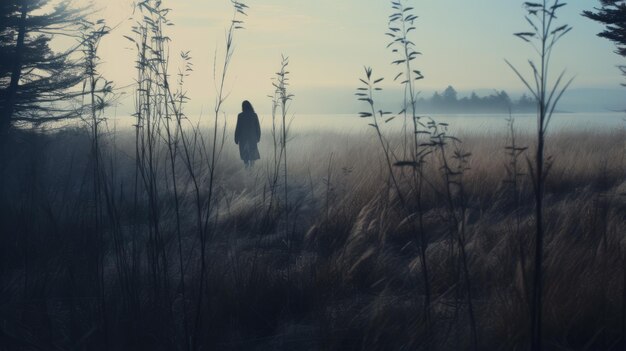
{"points": [[497, 102]]}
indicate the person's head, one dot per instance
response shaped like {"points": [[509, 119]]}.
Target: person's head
{"points": [[246, 106]]}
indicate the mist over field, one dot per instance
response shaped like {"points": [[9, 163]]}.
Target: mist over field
{"points": [[234, 175]]}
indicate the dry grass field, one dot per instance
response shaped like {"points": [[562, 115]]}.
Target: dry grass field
{"points": [[337, 267]]}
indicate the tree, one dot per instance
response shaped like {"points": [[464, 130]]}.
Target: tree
{"points": [[526, 103], [613, 15], [449, 96], [34, 80], [474, 98], [5, 36], [503, 101], [436, 101]]}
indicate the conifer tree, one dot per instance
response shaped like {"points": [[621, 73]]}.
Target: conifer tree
{"points": [[35, 81], [612, 14]]}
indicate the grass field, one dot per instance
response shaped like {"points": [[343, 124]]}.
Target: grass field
{"points": [[336, 266]]}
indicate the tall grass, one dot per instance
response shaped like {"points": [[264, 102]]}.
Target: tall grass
{"points": [[280, 135], [543, 36], [160, 117], [98, 89], [353, 277], [366, 93], [429, 140]]}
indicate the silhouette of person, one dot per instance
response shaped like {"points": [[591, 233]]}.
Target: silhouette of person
{"points": [[248, 134]]}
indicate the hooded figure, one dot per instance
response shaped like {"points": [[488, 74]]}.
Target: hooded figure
{"points": [[248, 134]]}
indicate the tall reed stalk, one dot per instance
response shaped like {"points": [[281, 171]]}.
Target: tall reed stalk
{"points": [[277, 156], [543, 35], [173, 110], [366, 93], [216, 148], [515, 180], [98, 91], [160, 126], [149, 114], [401, 23], [281, 103], [453, 168]]}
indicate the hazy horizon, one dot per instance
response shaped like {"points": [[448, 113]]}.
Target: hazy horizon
{"points": [[328, 45]]}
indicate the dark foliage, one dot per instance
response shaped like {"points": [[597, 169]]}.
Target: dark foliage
{"points": [[34, 80], [613, 15], [448, 101]]}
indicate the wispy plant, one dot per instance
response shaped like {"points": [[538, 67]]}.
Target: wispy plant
{"points": [[454, 165], [280, 108], [543, 35], [148, 107], [216, 146], [513, 167], [99, 91], [174, 137], [515, 181], [401, 23], [366, 93], [160, 117]]}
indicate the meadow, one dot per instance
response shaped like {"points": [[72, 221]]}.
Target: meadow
{"points": [[392, 231], [341, 271]]}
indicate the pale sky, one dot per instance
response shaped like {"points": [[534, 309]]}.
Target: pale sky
{"points": [[464, 44]]}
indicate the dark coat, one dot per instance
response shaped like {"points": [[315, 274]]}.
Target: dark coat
{"points": [[247, 135]]}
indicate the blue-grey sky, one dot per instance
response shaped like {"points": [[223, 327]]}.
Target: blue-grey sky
{"points": [[464, 44]]}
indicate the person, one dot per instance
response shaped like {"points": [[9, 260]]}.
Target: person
{"points": [[248, 134]]}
